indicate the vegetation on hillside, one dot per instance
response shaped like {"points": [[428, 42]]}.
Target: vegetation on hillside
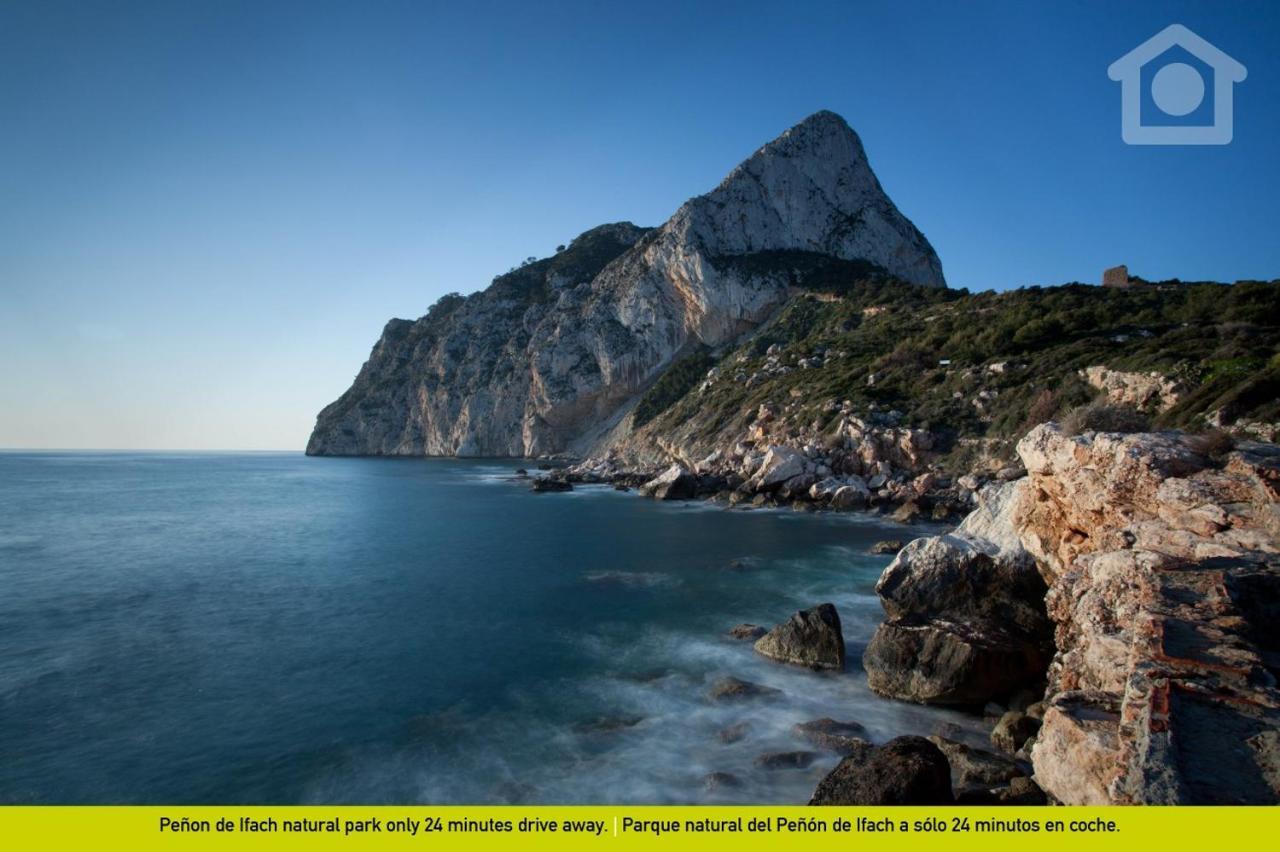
{"points": [[994, 364]]}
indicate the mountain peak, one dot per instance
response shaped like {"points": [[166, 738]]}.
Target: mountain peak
{"points": [[810, 189]]}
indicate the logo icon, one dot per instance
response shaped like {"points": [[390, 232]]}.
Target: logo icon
{"points": [[1176, 89]]}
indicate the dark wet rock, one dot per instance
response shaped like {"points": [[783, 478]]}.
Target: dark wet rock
{"points": [[522, 473], [889, 545], [734, 689], [939, 662], [786, 760], [713, 781], [621, 486], [811, 637], [1024, 698], [1022, 791], [903, 771], [847, 739], [734, 733], [747, 631], [973, 768], [547, 485], [1036, 711], [1013, 729]]}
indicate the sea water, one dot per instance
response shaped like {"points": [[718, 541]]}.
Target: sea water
{"points": [[231, 628]]}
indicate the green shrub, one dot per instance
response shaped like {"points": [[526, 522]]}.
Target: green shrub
{"points": [[1103, 416]]}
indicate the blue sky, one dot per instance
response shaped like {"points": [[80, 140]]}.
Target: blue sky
{"points": [[209, 210]]}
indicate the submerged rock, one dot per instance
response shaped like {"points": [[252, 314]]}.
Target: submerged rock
{"points": [[786, 760], [713, 781], [750, 632], [903, 771], [811, 637], [607, 724], [547, 484], [844, 738], [734, 689]]}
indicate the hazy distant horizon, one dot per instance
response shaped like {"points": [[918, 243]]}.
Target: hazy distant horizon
{"points": [[213, 210]]}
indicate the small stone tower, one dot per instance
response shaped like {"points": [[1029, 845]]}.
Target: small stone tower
{"points": [[1116, 276]]}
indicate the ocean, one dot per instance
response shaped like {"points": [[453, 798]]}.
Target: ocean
{"points": [[271, 628]]}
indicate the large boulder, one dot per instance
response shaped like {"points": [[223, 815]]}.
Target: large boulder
{"points": [[811, 637], [966, 613], [904, 771], [941, 662], [854, 496], [674, 483], [780, 464]]}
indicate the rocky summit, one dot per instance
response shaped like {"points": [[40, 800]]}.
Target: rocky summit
{"points": [[553, 355]]}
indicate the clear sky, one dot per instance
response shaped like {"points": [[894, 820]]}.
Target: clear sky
{"points": [[208, 210]]}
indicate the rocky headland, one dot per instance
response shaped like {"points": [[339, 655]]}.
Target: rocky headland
{"points": [[1109, 594]]}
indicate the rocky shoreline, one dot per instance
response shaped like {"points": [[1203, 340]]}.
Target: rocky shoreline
{"points": [[1110, 609], [871, 465]]}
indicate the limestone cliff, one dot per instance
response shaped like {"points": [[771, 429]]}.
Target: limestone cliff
{"points": [[548, 357]]}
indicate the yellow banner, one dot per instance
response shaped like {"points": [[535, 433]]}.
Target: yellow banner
{"points": [[621, 827]]}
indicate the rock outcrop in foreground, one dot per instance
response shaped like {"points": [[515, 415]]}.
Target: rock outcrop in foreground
{"points": [[1165, 589], [966, 622], [1163, 573], [549, 358]]}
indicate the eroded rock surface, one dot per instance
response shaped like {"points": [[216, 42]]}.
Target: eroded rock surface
{"points": [[1165, 591]]}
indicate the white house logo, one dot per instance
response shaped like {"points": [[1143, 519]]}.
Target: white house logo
{"points": [[1164, 98]]}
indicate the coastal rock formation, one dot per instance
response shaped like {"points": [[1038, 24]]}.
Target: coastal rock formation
{"points": [[550, 356], [903, 771], [1162, 562], [811, 637], [1165, 572], [966, 618]]}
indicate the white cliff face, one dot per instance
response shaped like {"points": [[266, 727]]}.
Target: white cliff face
{"points": [[547, 362]]}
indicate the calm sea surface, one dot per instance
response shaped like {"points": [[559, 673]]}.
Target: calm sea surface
{"points": [[271, 628]]}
